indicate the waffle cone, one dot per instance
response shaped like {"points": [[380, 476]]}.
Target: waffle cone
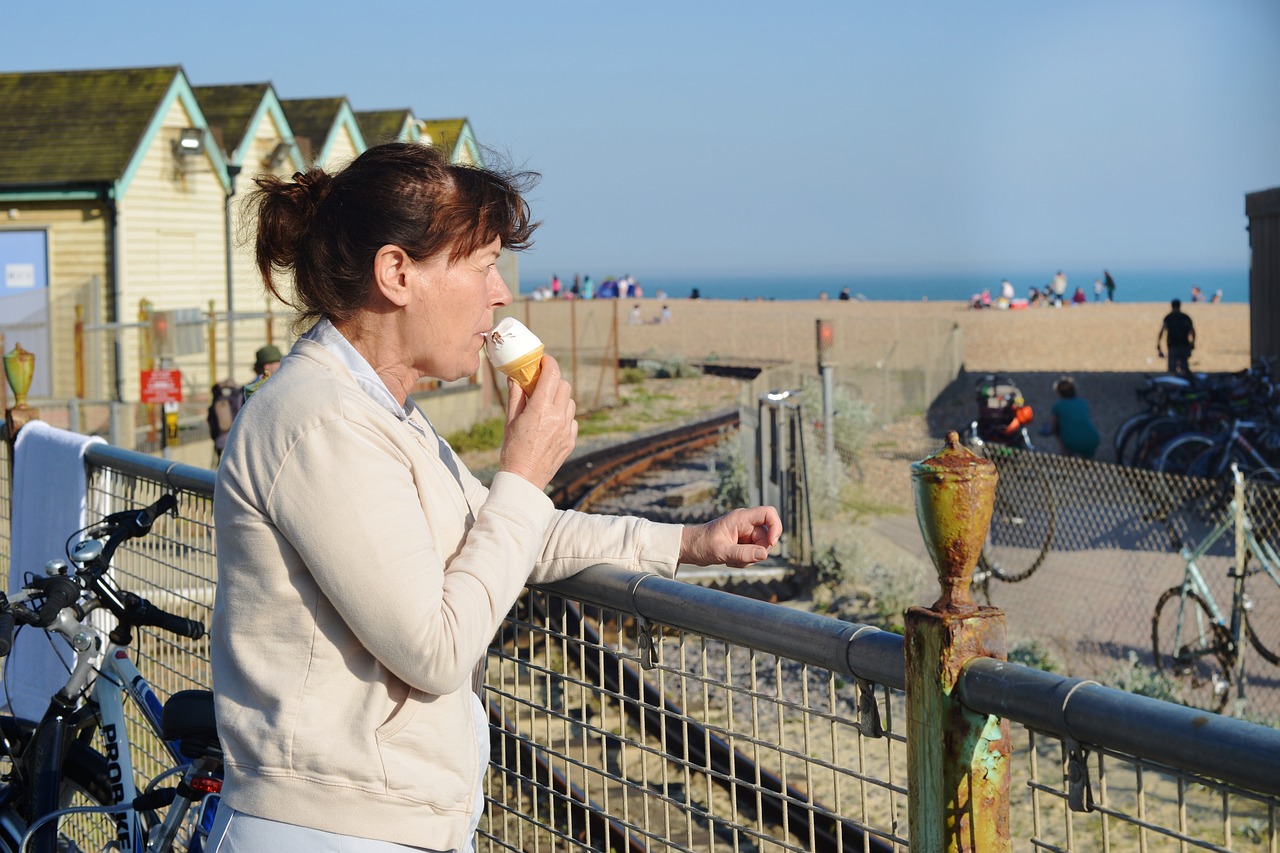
{"points": [[526, 370]]}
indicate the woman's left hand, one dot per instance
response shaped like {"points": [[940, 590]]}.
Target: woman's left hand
{"points": [[738, 538]]}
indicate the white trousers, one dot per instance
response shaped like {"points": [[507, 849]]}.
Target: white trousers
{"points": [[237, 832]]}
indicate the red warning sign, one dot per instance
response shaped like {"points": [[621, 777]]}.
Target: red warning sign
{"points": [[162, 386]]}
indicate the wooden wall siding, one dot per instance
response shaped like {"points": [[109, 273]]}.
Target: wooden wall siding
{"points": [[343, 151], [248, 294], [78, 252], [172, 238]]}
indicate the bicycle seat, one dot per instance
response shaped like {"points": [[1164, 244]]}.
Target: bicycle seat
{"points": [[188, 718]]}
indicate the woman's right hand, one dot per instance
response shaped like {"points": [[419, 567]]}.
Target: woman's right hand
{"points": [[541, 429]]}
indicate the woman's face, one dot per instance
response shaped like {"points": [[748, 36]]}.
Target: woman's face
{"points": [[455, 310]]}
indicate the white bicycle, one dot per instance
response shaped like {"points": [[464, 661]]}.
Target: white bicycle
{"points": [[58, 793]]}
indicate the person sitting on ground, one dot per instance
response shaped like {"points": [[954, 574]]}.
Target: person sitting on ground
{"points": [[1070, 421]]}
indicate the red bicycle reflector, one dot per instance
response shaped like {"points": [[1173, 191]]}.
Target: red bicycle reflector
{"points": [[206, 785]]}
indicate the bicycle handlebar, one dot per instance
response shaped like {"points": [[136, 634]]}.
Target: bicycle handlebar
{"points": [[63, 591], [143, 612]]}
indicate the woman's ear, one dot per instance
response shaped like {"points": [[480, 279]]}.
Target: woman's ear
{"points": [[391, 268]]}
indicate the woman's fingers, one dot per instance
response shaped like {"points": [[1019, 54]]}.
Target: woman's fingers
{"points": [[541, 427]]}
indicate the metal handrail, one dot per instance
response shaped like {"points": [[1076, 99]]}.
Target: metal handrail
{"points": [[1234, 751]]}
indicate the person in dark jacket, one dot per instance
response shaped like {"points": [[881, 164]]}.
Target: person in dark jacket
{"points": [[1179, 335]]}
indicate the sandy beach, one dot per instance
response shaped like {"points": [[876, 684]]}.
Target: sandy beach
{"points": [[1107, 347]]}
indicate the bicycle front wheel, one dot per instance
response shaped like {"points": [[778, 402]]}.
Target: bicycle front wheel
{"points": [[85, 782], [1022, 522], [1192, 650], [1181, 455]]}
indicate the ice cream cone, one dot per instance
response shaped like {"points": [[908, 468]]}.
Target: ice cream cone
{"points": [[526, 369], [516, 352]]}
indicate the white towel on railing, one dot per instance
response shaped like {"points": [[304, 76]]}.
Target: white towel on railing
{"points": [[49, 498]]}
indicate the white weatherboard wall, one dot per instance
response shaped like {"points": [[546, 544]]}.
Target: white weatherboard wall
{"points": [[172, 242]]}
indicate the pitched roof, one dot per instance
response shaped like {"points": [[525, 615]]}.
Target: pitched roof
{"points": [[312, 118], [444, 132], [383, 125], [81, 127], [229, 109]]}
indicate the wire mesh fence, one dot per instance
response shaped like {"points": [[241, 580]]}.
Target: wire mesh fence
{"points": [[719, 723], [1081, 553]]}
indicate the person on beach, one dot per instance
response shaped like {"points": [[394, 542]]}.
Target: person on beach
{"points": [[1070, 421], [1097, 290], [1110, 284], [363, 570], [1059, 285], [1179, 335]]}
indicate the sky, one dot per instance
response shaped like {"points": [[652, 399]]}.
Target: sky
{"points": [[806, 138]]}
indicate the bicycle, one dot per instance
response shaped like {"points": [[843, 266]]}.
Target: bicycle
{"points": [[57, 792], [1023, 517], [1193, 641]]}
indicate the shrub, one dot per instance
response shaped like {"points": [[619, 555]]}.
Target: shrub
{"points": [[485, 435]]}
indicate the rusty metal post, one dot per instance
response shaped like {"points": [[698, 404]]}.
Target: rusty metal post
{"points": [[19, 370], [958, 760], [78, 337], [146, 357]]}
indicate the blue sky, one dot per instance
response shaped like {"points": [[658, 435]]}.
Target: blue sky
{"points": [[748, 138]]}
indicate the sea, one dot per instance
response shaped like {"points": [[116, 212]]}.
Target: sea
{"points": [[1132, 285]]}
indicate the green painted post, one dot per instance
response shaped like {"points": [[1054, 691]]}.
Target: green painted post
{"points": [[958, 761]]}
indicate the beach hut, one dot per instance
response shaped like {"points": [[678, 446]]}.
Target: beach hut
{"points": [[256, 139], [112, 192], [454, 137], [380, 126], [325, 129]]}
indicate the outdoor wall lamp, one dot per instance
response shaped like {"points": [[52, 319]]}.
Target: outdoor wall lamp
{"points": [[190, 142], [277, 156]]}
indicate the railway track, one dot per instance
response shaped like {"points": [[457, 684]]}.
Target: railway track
{"points": [[589, 479], [585, 478], [598, 478]]}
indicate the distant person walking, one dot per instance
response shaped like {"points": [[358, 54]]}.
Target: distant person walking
{"points": [[1097, 290], [1179, 335], [1110, 284], [1070, 421]]}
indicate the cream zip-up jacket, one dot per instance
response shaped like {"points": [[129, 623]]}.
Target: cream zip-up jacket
{"points": [[363, 572]]}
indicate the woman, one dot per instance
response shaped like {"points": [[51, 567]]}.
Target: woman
{"points": [[362, 569], [1070, 421]]}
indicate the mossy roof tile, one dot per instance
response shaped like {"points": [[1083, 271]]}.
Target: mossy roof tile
{"points": [[444, 132], [382, 125], [312, 118], [62, 127], [230, 108]]}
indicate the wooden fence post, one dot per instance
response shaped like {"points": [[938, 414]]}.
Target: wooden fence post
{"points": [[958, 760]]}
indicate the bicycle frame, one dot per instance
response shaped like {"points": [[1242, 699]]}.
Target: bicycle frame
{"points": [[1247, 545], [1236, 438], [113, 679]]}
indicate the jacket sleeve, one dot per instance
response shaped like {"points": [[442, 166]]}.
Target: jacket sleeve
{"points": [[350, 501], [576, 540]]}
